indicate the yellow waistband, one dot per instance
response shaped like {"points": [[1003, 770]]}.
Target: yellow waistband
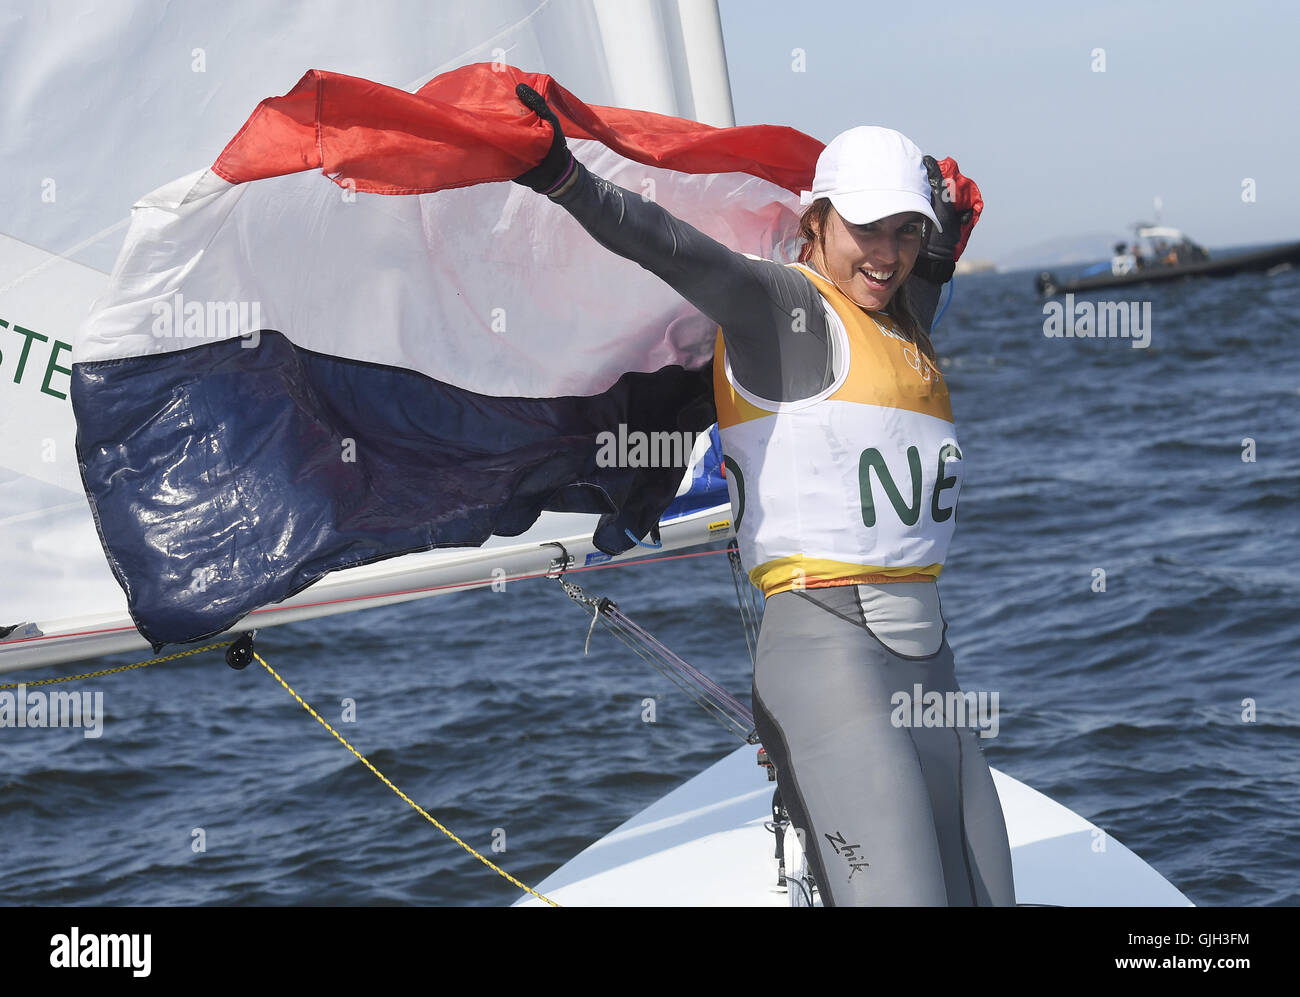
{"points": [[797, 571]]}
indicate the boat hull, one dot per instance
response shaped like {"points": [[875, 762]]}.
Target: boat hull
{"points": [[704, 845], [1265, 259]]}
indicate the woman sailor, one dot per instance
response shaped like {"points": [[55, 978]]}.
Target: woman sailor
{"points": [[844, 470]]}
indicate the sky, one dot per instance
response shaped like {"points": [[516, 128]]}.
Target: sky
{"points": [[1194, 99]]}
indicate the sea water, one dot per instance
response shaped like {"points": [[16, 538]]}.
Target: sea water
{"points": [[1124, 576]]}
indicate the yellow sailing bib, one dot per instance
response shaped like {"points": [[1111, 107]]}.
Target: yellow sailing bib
{"points": [[855, 485]]}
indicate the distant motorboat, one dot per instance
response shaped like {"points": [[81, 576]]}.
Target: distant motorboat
{"points": [[1162, 253]]}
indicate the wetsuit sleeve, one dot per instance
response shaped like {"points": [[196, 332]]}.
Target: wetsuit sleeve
{"points": [[772, 320], [922, 298]]}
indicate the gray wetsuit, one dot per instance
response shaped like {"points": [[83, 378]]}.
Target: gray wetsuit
{"points": [[891, 811]]}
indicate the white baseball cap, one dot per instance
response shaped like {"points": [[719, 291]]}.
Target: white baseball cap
{"points": [[871, 173]]}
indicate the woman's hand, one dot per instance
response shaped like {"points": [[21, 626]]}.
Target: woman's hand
{"points": [[551, 173], [957, 203]]}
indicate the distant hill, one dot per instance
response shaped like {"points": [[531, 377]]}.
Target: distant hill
{"points": [[1087, 247]]}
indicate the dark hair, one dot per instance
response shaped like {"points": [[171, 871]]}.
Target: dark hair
{"points": [[812, 229]]}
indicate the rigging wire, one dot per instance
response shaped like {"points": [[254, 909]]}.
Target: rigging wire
{"points": [[712, 698], [734, 715], [750, 611]]}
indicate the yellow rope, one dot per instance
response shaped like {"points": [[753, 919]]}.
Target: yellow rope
{"points": [[385, 780], [119, 668], [342, 740]]}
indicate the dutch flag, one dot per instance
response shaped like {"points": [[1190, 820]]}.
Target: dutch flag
{"points": [[351, 339]]}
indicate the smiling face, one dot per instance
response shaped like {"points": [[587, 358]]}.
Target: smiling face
{"points": [[869, 263]]}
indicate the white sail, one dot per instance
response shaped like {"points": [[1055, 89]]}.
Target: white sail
{"points": [[99, 110]]}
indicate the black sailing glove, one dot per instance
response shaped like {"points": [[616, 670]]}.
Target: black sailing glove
{"points": [[938, 258], [552, 171]]}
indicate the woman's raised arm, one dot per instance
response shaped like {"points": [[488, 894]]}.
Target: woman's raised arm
{"points": [[771, 316]]}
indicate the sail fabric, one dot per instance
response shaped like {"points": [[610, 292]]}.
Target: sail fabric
{"points": [[88, 128], [352, 338]]}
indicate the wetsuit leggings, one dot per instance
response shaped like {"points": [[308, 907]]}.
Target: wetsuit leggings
{"points": [[892, 814]]}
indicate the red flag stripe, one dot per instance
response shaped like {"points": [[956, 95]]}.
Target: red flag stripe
{"points": [[467, 126]]}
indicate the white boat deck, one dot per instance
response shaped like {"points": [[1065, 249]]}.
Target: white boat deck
{"points": [[704, 845]]}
